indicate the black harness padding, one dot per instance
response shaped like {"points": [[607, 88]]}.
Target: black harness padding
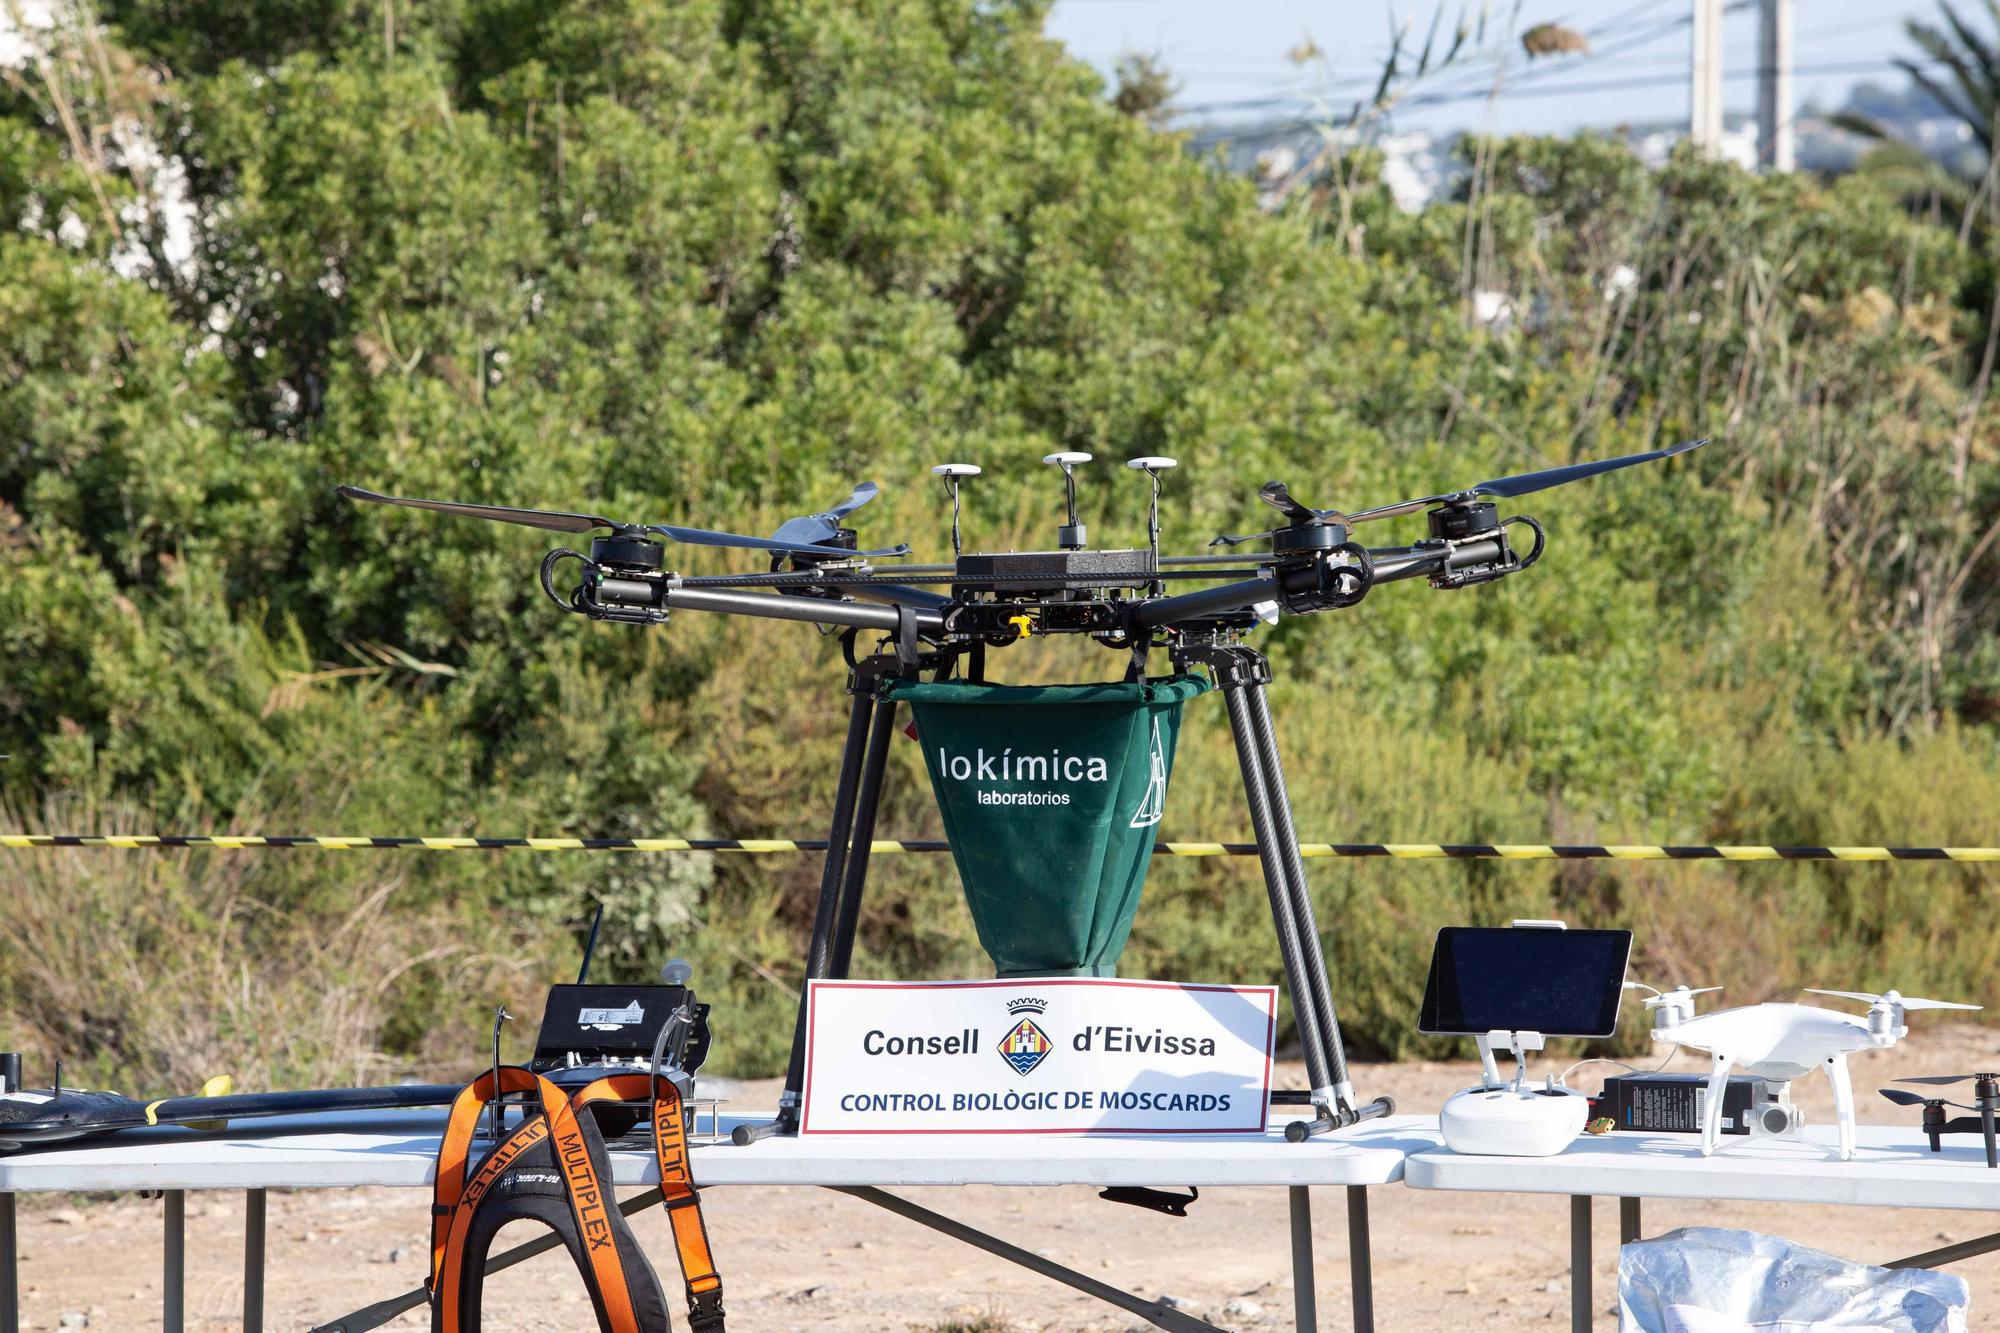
{"points": [[532, 1188]]}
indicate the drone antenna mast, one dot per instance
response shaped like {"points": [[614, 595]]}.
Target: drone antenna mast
{"points": [[954, 475], [1153, 465], [1071, 536]]}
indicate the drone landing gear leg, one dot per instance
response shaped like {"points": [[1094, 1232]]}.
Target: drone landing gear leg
{"points": [[1711, 1121], [863, 757], [1986, 1096], [1242, 675], [1843, 1103]]}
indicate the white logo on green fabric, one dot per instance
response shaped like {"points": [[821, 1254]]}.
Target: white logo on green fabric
{"points": [[1006, 766], [1154, 803]]}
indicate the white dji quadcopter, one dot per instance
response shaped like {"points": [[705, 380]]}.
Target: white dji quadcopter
{"points": [[1778, 1043]]}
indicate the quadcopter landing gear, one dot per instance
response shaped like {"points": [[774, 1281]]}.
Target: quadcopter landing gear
{"points": [[1843, 1103]]}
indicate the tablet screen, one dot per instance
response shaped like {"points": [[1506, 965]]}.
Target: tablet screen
{"points": [[1561, 983]]}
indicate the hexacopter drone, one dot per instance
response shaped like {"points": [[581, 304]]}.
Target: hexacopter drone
{"points": [[941, 620], [1780, 1042]]}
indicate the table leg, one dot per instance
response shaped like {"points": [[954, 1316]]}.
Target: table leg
{"points": [[173, 1299], [1628, 1221], [1305, 1300], [1579, 1263], [10, 1266], [1360, 1259], [253, 1261]]}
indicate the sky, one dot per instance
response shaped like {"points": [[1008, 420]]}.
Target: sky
{"points": [[1229, 53]]}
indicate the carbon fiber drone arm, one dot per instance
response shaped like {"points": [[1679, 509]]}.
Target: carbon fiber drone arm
{"points": [[646, 596], [1301, 588]]}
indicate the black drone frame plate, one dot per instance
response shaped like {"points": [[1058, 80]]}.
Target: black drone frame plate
{"points": [[1005, 572]]}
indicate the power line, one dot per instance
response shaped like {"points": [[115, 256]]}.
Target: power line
{"points": [[1446, 97], [1236, 69], [1620, 43]]}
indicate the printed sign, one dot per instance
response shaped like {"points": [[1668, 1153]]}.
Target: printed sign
{"points": [[1068, 1055]]}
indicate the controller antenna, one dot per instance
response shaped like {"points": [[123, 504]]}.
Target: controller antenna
{"points": [[954, 474], [493, 1122], [1071, 535], [1153, 465], [590, 945]]}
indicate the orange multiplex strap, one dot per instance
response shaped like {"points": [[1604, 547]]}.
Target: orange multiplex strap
{"points": [[677, 1189], [455, 1198], [594, 1206], [456, 1145]]}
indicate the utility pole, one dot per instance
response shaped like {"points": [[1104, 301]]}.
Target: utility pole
{"points": [[1776, 147], [1705, 71]]}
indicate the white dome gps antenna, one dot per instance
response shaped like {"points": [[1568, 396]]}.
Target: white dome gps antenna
{"points": [[1153, 465], [1071, 535], [954, 475]]}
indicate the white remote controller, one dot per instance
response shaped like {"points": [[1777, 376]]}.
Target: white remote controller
{"points": [[1517, 1119], [1504, 1122]]}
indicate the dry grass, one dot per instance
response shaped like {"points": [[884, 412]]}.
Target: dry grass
{"points": [[160, 968]]}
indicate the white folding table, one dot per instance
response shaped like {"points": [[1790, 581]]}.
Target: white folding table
{"points": [[1893, 1167], [399, 1149]]}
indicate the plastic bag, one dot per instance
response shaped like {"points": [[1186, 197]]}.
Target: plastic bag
{"points": [[1714, 1280]]}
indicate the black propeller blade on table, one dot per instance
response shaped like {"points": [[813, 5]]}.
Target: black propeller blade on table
{"points": [[1902, 1097], [819, 528], [558, 521], [1525, 483]]}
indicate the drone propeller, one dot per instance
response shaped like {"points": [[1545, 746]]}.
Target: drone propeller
{"points": [[553, 520], [1902, 1098], [1279, 497], [1943, 1080], [1525, 483], [815, 529], [1677, 993], [1891, 997], [558, 521]]}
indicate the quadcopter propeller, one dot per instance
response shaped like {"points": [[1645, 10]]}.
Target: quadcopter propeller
{"points": [[1891, 997], [1902, 1098], [1943, 1080], [816, 529], [1279, 497], [558, 521], [1677, 993]]}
